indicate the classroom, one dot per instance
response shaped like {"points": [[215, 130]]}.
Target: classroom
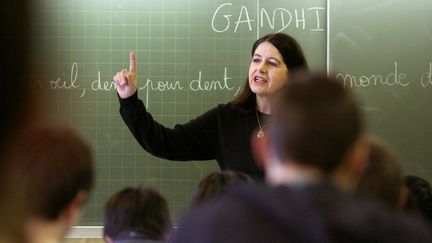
{"points": [[194, 55]]}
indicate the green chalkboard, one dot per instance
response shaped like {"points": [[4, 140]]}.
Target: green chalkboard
{"points": [[382, 49], [81, 44]]}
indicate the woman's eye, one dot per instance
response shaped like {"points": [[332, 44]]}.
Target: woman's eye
{"points": [[273, 64], [256, 60]]}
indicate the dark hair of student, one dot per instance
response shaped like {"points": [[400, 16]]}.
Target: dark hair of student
{"points": [[291, 53], [217, 183], [382, 179], [142, 210], [420, 196], [49, 167], [316, 121]]}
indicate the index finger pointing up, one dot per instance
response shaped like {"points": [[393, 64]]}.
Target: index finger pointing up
{"points": [[132, 64]]}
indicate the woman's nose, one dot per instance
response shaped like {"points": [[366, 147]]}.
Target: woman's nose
{"points": [[261, 67]]}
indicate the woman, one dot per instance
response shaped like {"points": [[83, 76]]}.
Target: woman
{"points": [[222, 133]]}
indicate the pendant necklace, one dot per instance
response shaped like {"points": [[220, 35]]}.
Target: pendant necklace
{"points": [[260, 133]]}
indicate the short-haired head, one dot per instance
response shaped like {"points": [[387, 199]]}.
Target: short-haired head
{"points": [[141, 209], [50, 165], [218, 182], [382, 179], [420, 196], [315, 121]]}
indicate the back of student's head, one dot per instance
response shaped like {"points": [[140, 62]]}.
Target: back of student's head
{"points": [[419, 196], [50, 165], [316, 120], [141, 210], [217, 183], [382, 179]]}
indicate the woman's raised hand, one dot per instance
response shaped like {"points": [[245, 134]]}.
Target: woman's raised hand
{"points": [[126, 80]]}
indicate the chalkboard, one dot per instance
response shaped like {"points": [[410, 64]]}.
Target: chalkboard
{"points": [[382, 49], [181, 47]]}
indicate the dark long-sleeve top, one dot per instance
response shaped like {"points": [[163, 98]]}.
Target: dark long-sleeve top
{"points": [[222, 133]]}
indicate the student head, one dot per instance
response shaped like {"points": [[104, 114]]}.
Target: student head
{"points": [[382, 180], [315, 128], [136, 213], [51, 169], [419, 196], [217, 183], [286, 55]]}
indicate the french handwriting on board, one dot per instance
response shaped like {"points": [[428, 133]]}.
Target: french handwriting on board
{"points": [[198, 84], [395, 78]]}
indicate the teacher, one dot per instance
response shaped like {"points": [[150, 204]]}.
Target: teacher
{"points": [[222, 133]]}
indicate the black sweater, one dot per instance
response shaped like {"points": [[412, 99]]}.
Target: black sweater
{"points": [[222, 133]]}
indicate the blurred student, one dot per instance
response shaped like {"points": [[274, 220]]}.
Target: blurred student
{"points": [[18, 105], [216, 183], [382, 180], [14, 67], [313, 157], [135, 215], [316, 136], [51, 170], [419, 197]]}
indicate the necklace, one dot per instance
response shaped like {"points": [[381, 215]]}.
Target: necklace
{"points": [[260, 133]]}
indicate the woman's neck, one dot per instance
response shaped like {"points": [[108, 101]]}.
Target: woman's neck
{"points": [[263, 105]]}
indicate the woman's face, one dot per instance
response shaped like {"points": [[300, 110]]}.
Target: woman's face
{"points": [[267, 71]]}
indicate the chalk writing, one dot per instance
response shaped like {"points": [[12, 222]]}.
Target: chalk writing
{"points": [[278, 19], [102, 85], [67, 84], [161, 85], [199, 84], [395, 78], [98, 85], [426, 78]]}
